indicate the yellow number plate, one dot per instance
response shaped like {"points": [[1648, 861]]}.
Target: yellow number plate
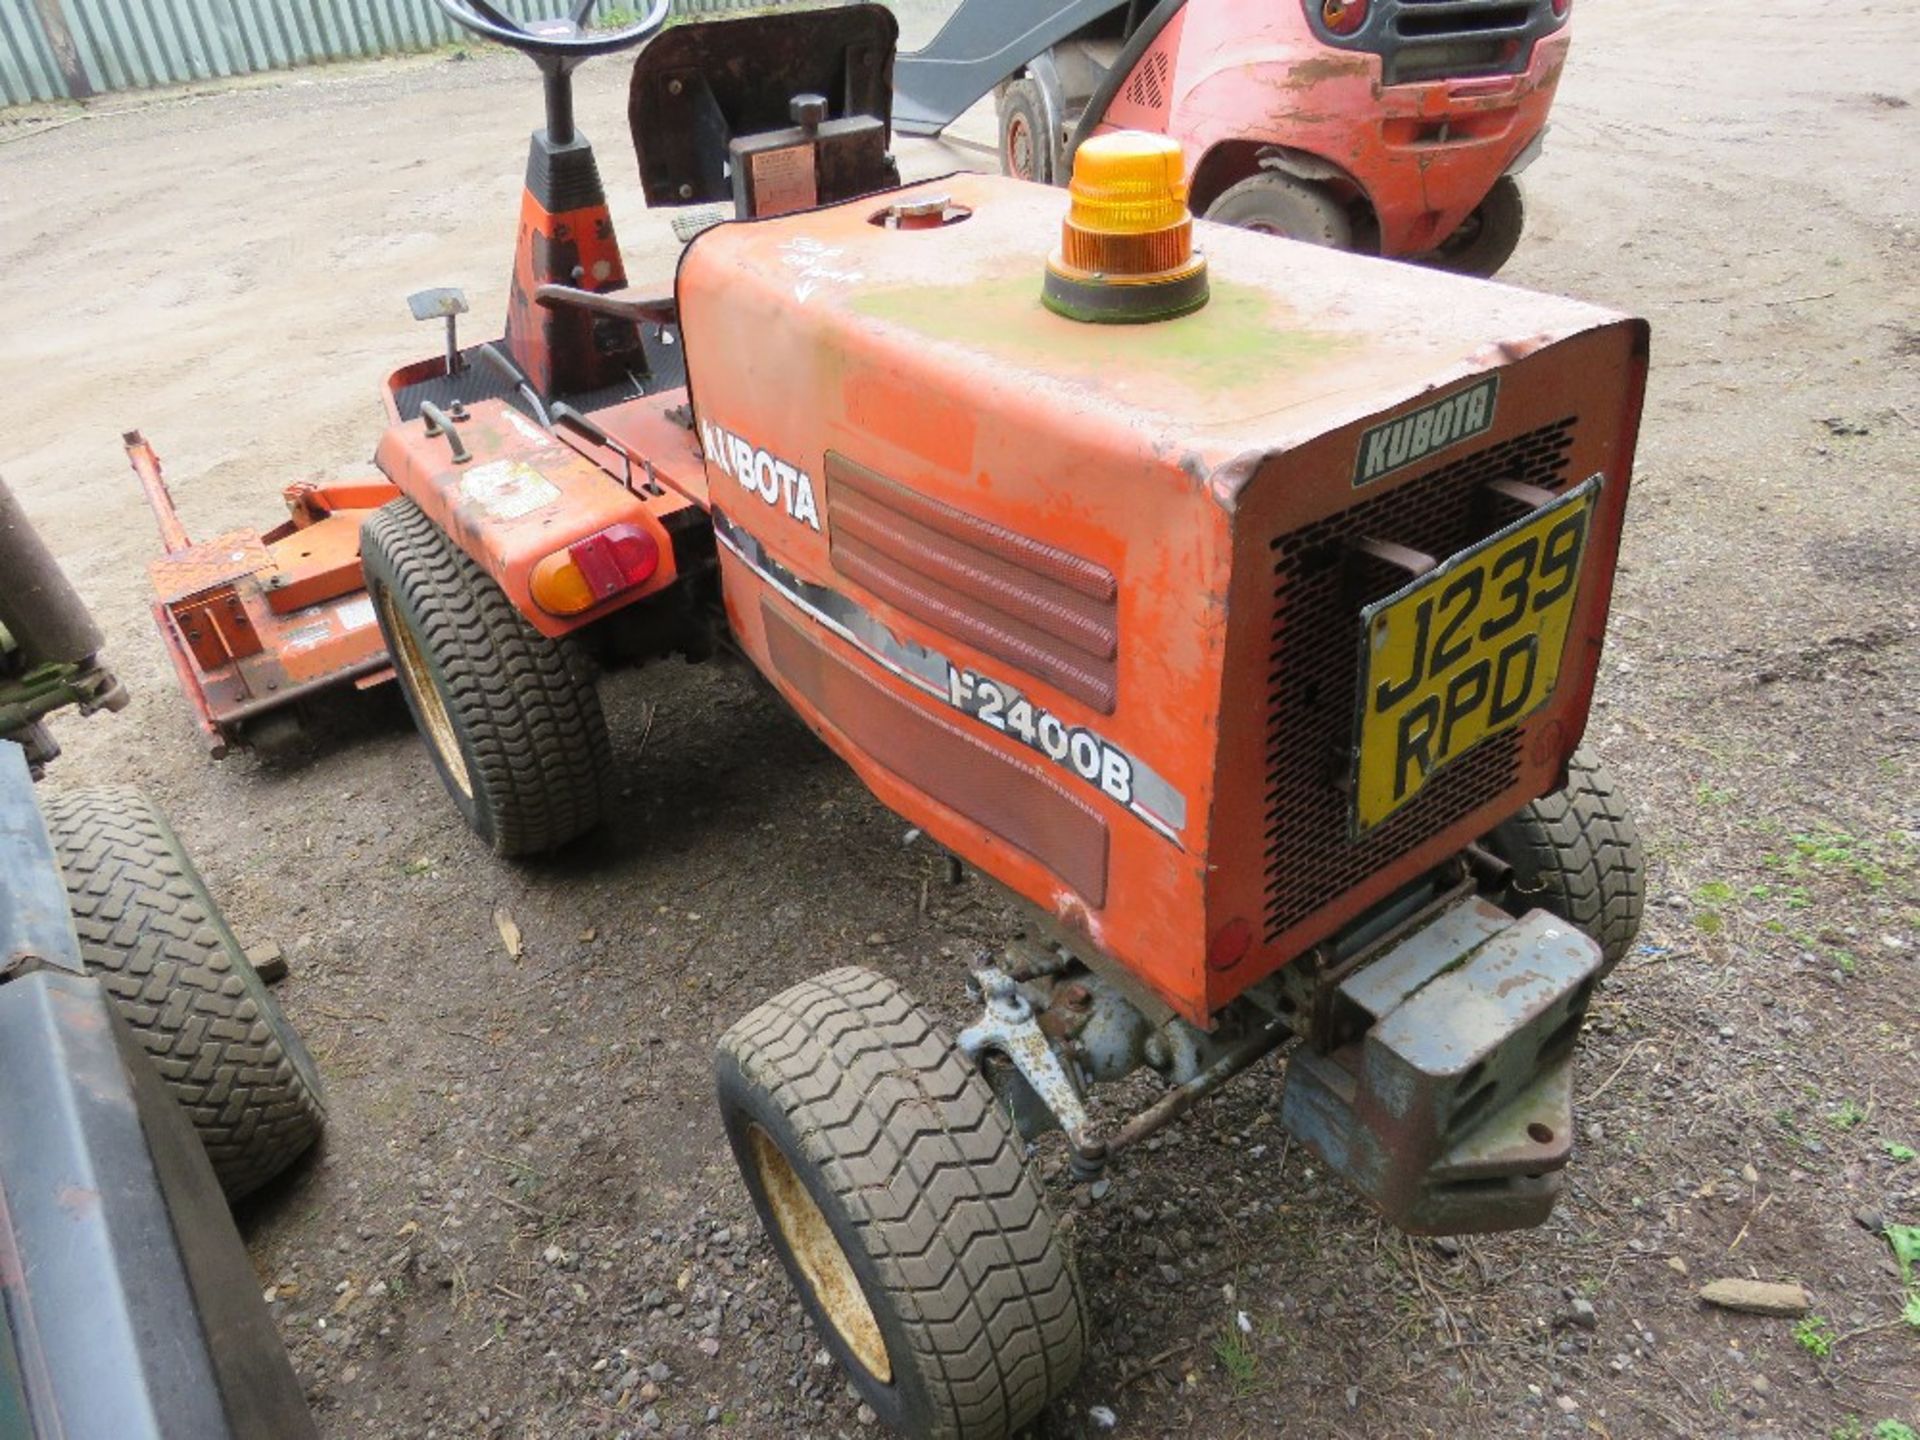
{"points": [[1468, 650]]}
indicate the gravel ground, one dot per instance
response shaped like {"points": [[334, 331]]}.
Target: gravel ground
{"points": [[524, 1222]]}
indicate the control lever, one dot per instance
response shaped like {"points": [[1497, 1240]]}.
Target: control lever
{"points": [[510, 372], [448, 303]]}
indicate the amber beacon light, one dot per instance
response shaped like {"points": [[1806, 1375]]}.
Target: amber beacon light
{"points": [[1126, 247]]}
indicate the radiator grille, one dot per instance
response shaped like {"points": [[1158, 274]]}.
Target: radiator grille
{"points": [[1319, 588], [1420, 40]]}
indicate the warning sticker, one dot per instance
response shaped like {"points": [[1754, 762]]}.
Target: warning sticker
{"points": [[507, 490], [783, 180]]}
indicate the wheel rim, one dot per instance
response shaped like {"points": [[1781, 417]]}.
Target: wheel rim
{"points": [[1019, 148], [434, 721], [811, 1243]]}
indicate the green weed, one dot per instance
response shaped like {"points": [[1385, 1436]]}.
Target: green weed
{"points": [[1815, 1335], [1905, 1240], [1894, 1430], [1847, 1116]]}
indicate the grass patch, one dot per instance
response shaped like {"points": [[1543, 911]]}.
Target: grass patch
{"points": [[1236, 1356]]}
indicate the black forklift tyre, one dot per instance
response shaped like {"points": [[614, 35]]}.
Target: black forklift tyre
{"points": [[894, 1192], [1025, 152], [1487, 237], [1576, 853], [152, 935], [511, 718], [1276, 204]]}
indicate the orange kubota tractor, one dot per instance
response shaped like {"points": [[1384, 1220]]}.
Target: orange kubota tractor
{"points": [[1233, 604]]}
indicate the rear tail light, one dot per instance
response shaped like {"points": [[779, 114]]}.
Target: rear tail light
{"points": [[1344, 17], [1560, 8], [597, 568]]}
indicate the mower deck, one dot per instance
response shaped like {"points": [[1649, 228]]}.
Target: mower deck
{"points": [[253, 622]]}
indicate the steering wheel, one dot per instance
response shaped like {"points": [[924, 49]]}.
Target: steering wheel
{"points": [[564, 40], [556, 46]]}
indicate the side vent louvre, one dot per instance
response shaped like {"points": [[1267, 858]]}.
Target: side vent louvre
{"points": [[1044, 611]]}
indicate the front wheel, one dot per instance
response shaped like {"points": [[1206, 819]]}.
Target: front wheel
{"points": [[1486, 238], [1576, 854], [893, 1189], [511, 718]]}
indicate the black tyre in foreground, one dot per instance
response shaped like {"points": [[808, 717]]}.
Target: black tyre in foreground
{"points": [[1576, 854], [153, 937], [1276, 204], [510, 717], [894, 1191], [1025, 152], [1486, 238]]}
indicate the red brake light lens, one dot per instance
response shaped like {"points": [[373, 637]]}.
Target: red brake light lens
{"points": [[1560, 8], [1343, 17], [617, 558]]}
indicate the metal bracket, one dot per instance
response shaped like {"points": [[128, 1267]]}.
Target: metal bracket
{"points": [[1009, 1028]]}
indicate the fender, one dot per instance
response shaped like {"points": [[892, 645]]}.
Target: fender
{"points": [[510, 493], [1053, 107]]}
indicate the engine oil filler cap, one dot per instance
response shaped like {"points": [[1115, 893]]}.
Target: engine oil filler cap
{"points": [[1126, 247]]}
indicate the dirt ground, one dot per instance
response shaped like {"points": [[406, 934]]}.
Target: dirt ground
{"points": [[524, 1222]]}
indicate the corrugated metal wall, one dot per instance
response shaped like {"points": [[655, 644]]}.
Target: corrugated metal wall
{"points": [[70, 49]]}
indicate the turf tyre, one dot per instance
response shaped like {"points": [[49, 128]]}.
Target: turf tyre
{"points": [[1576, 853], [919, 1178], [511, 718], [154, 938]]}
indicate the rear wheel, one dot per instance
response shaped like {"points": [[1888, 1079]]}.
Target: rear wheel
{"points": [[511, 718], [1276, 204], [1025, 152], [893, 1189], [1576, 853], [1486, 238], [151, 934]]}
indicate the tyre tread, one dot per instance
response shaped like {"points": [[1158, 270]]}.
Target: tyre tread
{"points": [[1577, 854], [152, 935], [525, 704], [912, 1144]]}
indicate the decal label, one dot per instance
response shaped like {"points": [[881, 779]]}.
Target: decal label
{"points": [[507, 489], [356, 614], [767, 478], [1148, 796], [1069, 746], [1411, 438]]}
